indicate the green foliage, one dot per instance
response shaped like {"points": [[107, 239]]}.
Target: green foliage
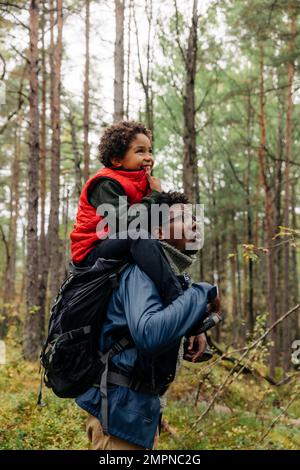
{"points": [[23, 425], [237, 421], [231, 36]]}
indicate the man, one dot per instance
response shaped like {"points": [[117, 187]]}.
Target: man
{"points": [[126, 417]]}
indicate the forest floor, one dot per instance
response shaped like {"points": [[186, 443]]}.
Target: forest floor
{"points": [[239, 419]]}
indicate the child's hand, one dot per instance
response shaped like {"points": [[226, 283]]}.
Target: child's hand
{"points": [[154, 182]]}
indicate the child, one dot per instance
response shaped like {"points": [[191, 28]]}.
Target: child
{"points": [[126, 153]]}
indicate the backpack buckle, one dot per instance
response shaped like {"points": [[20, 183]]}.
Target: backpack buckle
{"points": [[117, 348], [184, 280]]}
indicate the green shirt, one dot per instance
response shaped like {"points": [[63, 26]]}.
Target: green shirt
{"points": [[108, 191]]}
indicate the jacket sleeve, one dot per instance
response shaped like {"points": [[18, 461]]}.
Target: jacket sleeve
{"points": [[153, 327], [108, 191]]}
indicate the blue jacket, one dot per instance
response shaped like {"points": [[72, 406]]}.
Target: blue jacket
{"points": [[135, 306]]}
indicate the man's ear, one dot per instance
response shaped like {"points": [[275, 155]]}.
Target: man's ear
{"points": [[116, 161]]}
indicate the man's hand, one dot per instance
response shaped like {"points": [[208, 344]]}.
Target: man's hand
{"points": [[214, 305], [154, 182], [195, 348]]}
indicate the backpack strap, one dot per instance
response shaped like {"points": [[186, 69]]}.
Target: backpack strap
{"points": [[138, 385], [115, 349], [115, 378]]}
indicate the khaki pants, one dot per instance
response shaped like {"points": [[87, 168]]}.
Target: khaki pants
{"points": [[102, 442]]}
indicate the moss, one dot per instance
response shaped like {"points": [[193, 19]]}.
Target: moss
{"points": [[241, 415]]}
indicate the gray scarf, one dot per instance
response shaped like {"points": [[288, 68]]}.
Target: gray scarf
{"points": [[179, 261]]}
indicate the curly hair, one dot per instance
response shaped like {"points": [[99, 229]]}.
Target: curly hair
{"points": [[170, 198], [117, 138]]}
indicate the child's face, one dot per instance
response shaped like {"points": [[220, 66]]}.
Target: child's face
{"points": [[138, 156]]}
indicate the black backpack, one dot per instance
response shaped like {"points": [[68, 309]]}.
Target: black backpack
{"points": [[70, 354]]}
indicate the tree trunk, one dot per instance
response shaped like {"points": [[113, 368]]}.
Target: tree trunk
{"points": [[128, 60], [77, 158], [66, 240], [31, 334], [233, 296], [53, 228], [286, 290], [278, 250], [250, 288], [294, 269], [43, 255], [269, 218], [146, 81], [217, 242], [86, 116], [119, 62], [9, 282], [189, 133]]}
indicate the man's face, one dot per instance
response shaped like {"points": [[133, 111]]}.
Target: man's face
{"points": [[182, 231], [138, 156]]}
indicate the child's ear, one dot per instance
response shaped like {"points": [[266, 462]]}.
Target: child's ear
{"points": [[115, 161]]}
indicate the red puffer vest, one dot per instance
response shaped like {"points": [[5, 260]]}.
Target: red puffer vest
{"points": [[84, 236]]}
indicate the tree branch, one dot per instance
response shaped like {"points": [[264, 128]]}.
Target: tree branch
{"points": [[279, 416], [177, 35], [252, 346], [4, 67]]}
